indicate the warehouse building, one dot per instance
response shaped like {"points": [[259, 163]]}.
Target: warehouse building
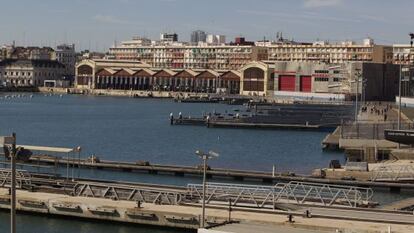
{"points": [[371, 81]]}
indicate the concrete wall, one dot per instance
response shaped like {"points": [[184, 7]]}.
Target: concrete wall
{"points": [[381, 81]]}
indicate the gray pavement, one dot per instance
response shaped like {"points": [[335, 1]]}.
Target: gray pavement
{"points": [[263, 228]]}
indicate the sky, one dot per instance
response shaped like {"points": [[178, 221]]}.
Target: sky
{"points": [[98, 24]]}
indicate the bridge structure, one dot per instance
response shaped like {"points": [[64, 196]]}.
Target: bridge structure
{"points": [[23, 178], [393, 172], [292, 192], [258, 196]]}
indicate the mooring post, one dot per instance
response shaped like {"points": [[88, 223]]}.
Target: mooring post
{"points": [[230, 210], [171, 118], [13, 185]]}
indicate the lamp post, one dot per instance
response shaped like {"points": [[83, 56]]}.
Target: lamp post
{"points": [[79, 149], [358, 74], [10, 144], [399, 99], [205, 157]]}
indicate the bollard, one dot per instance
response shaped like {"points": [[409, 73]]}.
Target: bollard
{"points": [[171, 118], [290, 218], [308, 214]]}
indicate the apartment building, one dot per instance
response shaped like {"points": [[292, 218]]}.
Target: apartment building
{"points": [[181, 56], [31, 53], [330, 53], [403, 54], [178, 55], [65, 54], [198, 36]]}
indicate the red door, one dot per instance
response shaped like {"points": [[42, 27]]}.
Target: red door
{"points": [[287, 83], [305, 83]]}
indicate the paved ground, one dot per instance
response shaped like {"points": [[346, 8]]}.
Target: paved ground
{"points": [[263, 228], [320, 223]]}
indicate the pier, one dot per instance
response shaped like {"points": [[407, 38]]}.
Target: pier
{"points": [[188, 215], [309, 206], [216, 173]]}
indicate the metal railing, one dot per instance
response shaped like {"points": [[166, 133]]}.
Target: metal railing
{"points": [[129, 193], [292, 192], [23, 178], [393, 172]]}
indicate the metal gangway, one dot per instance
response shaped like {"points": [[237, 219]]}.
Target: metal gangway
{"points": [[292, 192], [393, 172], [143, 194], [23, 178]]}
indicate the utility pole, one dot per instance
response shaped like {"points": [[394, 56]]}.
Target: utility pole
{"points": [[356, 95], [13, 185], [10, 144], [399, 99]]}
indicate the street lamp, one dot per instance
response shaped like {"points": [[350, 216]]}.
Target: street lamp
{"points": [[205, 157], [356, 81], [79, 149], [10, 143]]}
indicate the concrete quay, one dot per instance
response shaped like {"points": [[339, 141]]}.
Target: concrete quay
{"points": [[121, 93], [404, 205], [179, 216]]}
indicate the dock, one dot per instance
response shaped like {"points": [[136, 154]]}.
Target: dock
{"points": [[217, 173], [236, 123], [331, 141], [404, 205], [188, 216]]}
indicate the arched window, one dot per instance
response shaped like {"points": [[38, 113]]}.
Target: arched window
{"points": [[253, 79]]}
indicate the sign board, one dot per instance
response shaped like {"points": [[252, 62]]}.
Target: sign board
{"points": [[6, 140], [400, 136]]}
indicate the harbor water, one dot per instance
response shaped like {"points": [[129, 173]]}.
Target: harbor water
{"points": [[128, 129]]}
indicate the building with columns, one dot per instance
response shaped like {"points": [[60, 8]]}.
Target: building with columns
{"points": [[86, 70], [134, 75]]}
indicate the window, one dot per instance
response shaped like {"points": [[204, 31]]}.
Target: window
{"points": [[321, 79]]}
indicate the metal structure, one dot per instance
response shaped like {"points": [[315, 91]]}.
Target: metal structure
{"points": [[10, 144], [292, 192], [394, 172], [205, 157], [23, 178], [129, 193]]}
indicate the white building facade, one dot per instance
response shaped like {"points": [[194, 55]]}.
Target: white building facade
{"points": [[29, 73]]}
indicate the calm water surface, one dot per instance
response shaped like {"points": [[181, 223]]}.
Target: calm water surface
{"points": [[129, 129]]}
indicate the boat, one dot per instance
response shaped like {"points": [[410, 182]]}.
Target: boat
{"points": [[400, 136]]}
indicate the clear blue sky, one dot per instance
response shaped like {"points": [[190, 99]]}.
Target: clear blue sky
{"points": [[96, 24]]}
